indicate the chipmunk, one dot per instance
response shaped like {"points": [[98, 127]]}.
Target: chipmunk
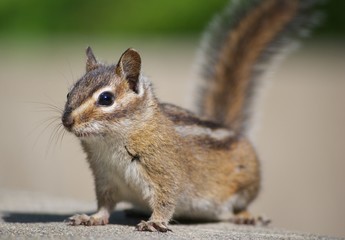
{"points": [[166, 159]]}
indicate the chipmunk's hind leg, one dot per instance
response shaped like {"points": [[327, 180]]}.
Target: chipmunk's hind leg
{"points": [[244, 217], [240, 213]]}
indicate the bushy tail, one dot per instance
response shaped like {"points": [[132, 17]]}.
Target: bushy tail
{"points": [[246, 35]]}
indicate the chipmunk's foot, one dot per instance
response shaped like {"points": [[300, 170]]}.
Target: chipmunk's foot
{"points": [[245, 218], [152, 226], [83, 219]]}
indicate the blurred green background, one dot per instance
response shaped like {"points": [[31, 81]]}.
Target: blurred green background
{"points": [[48, 18]]}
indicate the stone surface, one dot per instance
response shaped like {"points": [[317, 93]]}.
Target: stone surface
{"points": [[27, 215]]}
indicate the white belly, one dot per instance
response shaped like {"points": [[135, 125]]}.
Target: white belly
{"points": [[111, 164], [204, 209]]}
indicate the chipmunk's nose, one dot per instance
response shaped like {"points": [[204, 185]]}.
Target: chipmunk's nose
{"points": [[67, 120]]}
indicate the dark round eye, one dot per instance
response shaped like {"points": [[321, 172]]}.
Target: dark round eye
{"points": [[106, 99], [68, 95]]}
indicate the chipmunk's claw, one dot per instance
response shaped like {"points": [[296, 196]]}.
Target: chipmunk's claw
{"points": [[245, 218], [152, 226], [78, 219], [83, 219]]}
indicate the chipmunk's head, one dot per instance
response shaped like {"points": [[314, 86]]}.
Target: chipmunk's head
{"points": [[107, 97]]}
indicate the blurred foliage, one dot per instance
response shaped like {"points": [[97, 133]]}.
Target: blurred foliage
{"points": [[119, 17], [334, 19]]}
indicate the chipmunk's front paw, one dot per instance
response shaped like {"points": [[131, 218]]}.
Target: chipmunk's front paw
{"points": [[83, 219], [152, 226]]}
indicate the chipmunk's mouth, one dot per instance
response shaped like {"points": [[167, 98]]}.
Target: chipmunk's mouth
{"points": [[86, 130], [87, 135], [84, 134]]}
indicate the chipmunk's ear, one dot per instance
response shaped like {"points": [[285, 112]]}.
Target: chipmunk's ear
{"points": [[91, 62], [129, 67]]}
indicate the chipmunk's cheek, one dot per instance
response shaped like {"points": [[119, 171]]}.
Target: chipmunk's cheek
{"points": [[77, 123], [81, 120], [84, 114], [86, 125]]}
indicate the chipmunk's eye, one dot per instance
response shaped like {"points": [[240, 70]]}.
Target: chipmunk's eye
{"points": [[106, 99], [67, 95]]}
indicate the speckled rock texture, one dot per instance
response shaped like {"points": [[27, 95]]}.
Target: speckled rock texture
{"points": [[27, 215]]}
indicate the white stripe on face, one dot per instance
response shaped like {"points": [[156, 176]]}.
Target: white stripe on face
{"points": [[91, 101]]}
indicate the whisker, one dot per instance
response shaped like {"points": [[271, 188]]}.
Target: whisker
{"points": [[54, 120], [62, 135], [46, 110], [59, 133], [49, 122], [64, 76], [52, 137], [48, 106], [49, 109], [52, 101], [51, 125], [37, 125]]}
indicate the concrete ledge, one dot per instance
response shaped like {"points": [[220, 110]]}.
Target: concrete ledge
{"points": [[27, 215]]}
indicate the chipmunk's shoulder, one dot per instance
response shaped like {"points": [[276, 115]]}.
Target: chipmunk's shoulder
{"points": [[181, 116]]}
